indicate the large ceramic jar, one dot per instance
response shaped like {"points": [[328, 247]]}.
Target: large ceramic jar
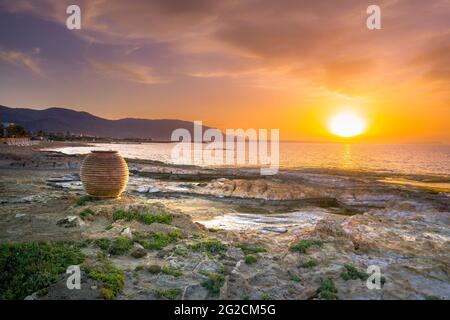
{"points": [[104, 174]]}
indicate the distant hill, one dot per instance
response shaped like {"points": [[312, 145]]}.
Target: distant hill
{"points": [[54, 120]]}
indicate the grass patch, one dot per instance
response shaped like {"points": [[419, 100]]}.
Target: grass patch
{"points": [[294, 277], [308, 264], [351, 273], [116, 247], [144, 218], [250, 259], [157, 240], [108, 227], [302, 245], [32, 266], [198, 235], [154, 269], [81, 201], [101, 256], [214, 247], [86, 213], [171, 271], [265, 296], [180, 252], [214, 281], [170, 294], [248, 249], [139, 268], [327, 290], [111, 279], [433, 298]]}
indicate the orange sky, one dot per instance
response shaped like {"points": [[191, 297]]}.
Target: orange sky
{"points": [[257, 63]]}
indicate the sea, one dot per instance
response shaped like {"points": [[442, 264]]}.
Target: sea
{"points": [[410, 159]]}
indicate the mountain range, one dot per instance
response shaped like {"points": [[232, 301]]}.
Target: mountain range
{"points": [[61, 120]]}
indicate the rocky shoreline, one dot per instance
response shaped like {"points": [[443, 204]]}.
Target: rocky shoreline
{"points": [[194, 233]]}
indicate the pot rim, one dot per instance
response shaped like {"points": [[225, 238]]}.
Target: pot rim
{"points": [[104, 151]]}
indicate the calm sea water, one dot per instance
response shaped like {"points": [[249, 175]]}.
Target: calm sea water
{"points": [[406, 158]]}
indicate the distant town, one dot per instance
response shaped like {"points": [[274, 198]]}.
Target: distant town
{"points": [[12, 133]]}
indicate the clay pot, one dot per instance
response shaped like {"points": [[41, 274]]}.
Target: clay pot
{"points": [[104, 174]]}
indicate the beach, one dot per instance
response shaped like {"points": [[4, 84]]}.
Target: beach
{"points": [[251, 236]]}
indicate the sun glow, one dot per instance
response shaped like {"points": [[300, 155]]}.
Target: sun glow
{"points": [[347, 125]]}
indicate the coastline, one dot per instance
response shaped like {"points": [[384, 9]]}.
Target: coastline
{"points": [[357, 219]]}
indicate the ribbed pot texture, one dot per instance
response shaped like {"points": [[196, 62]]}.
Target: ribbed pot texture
{"points": [[104, 174]]}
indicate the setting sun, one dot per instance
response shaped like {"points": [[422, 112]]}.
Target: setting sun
{"points": [[347, 125]]}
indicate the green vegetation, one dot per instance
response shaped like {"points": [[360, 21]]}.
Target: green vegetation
{"points": [[32, 266], [308, 264], [108, 227], [171, 271], [352, 273], [84, 199], [154, 268], [248, 249], [111, 279], [294, 277], [198, 235], [76, 244], [180, 252], [170, 294], [101, 256], [302, 245], [249, 259], [144, 218], [213, 247], [157, 240], [214, 282], [16, 131], [116, 247], [265, 296], [86, 213], [139, 268], [327, 290], [432, 298]]}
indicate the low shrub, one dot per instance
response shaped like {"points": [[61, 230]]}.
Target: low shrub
{"points": [[171, 271], [170, 294], [86, 213], [180, 252], [327, 290], [247, 249], [116, 246], [111, 279], [308, 264], [144, 218], [157, 240], [250, 259], [302, 245], [351, 273], [214, 247], [214, 281], [32, 266], [84, 199]]}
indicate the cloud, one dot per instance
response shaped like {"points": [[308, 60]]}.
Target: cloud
{"points": [[127, 72], [323, 42], [23, 60]]}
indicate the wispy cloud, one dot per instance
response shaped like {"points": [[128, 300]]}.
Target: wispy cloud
{"points": [[23, 60], [128, 72]]}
